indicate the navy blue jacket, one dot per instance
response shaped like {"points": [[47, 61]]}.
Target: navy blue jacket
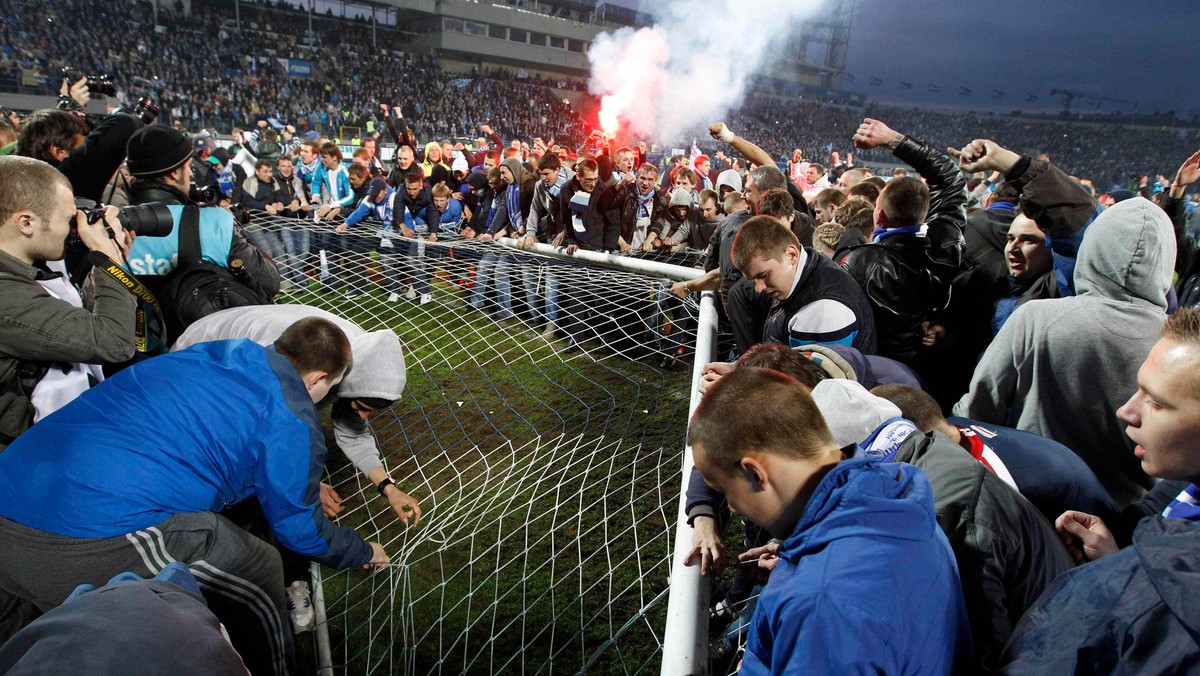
{"points": [[192, 431], [1133, 612]]}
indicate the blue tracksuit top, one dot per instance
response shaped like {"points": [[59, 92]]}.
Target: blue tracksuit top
{"points": [[192, 431], [867, 583]]}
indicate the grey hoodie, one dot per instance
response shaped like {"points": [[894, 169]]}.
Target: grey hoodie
{"points": [[1061, 367], [378, 370]]}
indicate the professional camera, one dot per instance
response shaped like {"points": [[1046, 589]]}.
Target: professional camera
{"points": [[206, 195], [145, 220], [240, 213], [96, 84], [145, 109]]}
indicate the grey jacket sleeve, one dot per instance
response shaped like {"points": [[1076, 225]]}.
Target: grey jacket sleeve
{"points": [[354, 437], [38, 327], [999, 373]]}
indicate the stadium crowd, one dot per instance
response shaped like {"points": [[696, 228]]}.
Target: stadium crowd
{"points": [[975, 378]]}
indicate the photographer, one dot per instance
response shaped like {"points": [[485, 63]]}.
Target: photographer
{"points": [[49, 340], [159, 160], [88, 158]]}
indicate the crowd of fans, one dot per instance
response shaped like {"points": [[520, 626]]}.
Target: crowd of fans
{"points": [[975, 377], [209, 75]]}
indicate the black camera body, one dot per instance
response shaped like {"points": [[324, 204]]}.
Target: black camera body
{"points": [[145, 220], [97, 84]]}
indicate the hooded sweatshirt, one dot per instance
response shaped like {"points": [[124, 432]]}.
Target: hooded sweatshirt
{"points": [[866, 583], [377, 372], [1061, 367]]}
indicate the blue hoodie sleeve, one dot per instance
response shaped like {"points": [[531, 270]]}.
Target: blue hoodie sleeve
{"points": [[318, 179], [289, 488], [817, 635], [360, 213]]}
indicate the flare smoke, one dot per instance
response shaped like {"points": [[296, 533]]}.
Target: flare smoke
{"points": [[690, 68]]}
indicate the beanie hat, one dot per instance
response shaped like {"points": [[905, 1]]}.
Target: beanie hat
{"points": [[850, 411], [156, 149], [730, 178], [378, 371], [681, 197]]}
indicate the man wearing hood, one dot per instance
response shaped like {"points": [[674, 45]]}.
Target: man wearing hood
{"points": [[1058, 367], [1133, 610], [857, 535]]}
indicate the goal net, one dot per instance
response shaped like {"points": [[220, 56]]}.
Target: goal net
{"points": [[547, 458]]}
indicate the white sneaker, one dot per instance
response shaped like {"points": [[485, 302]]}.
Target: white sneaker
{"points": [[549, 332], [393, 297], [411, 294], [299, 602], [426, 298]]}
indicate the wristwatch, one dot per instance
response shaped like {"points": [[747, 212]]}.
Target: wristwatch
{"points": [[382, 486]]}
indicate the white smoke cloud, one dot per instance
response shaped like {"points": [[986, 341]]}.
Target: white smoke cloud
{"points": [[690, 68]]}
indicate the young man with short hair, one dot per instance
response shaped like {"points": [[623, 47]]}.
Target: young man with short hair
{"points": [[1132, 609], [129, 477], [865, 581], [814, 301]]}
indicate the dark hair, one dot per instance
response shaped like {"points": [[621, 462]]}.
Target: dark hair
{"points": [[780, 357], [549, 161], [45, 129], [262, 163], [684, 171], [587, 164], [330, 149], [413, 179], [916, 405], [776, 202], [829, 196], [864, 189], [760, 410], [359, 171], [905, 200], [706, 195], [315, 344]]}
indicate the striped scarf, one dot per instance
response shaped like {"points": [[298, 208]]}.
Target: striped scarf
{"points": [[1185, 506]]}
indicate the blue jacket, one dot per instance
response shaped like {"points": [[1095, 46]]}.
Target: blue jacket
{"points": [[866, 584], [1133, 612], [192, 431], [336, 185]]}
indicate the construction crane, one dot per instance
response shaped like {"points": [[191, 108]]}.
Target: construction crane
{"points": [[1069, 96]]}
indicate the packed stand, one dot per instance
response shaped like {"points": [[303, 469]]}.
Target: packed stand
{"points": [[975, 378]]}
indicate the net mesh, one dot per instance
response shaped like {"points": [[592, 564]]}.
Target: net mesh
{"points": [[546, 462]]}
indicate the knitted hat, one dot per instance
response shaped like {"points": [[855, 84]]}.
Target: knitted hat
{"points": [[730, 178], [156, 149], [378, 371]]}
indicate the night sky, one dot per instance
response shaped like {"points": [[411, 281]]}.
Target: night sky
{"points": [[1148, 53]]}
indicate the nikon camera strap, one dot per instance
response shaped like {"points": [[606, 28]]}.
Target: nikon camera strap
{"points": [[145, 328]]}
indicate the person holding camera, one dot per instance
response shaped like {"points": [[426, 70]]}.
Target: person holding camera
{"points": [[50, 341], [87, 156], [159, 161]]}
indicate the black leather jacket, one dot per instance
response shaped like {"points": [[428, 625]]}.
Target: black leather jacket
{"points": [[907, 279]]}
